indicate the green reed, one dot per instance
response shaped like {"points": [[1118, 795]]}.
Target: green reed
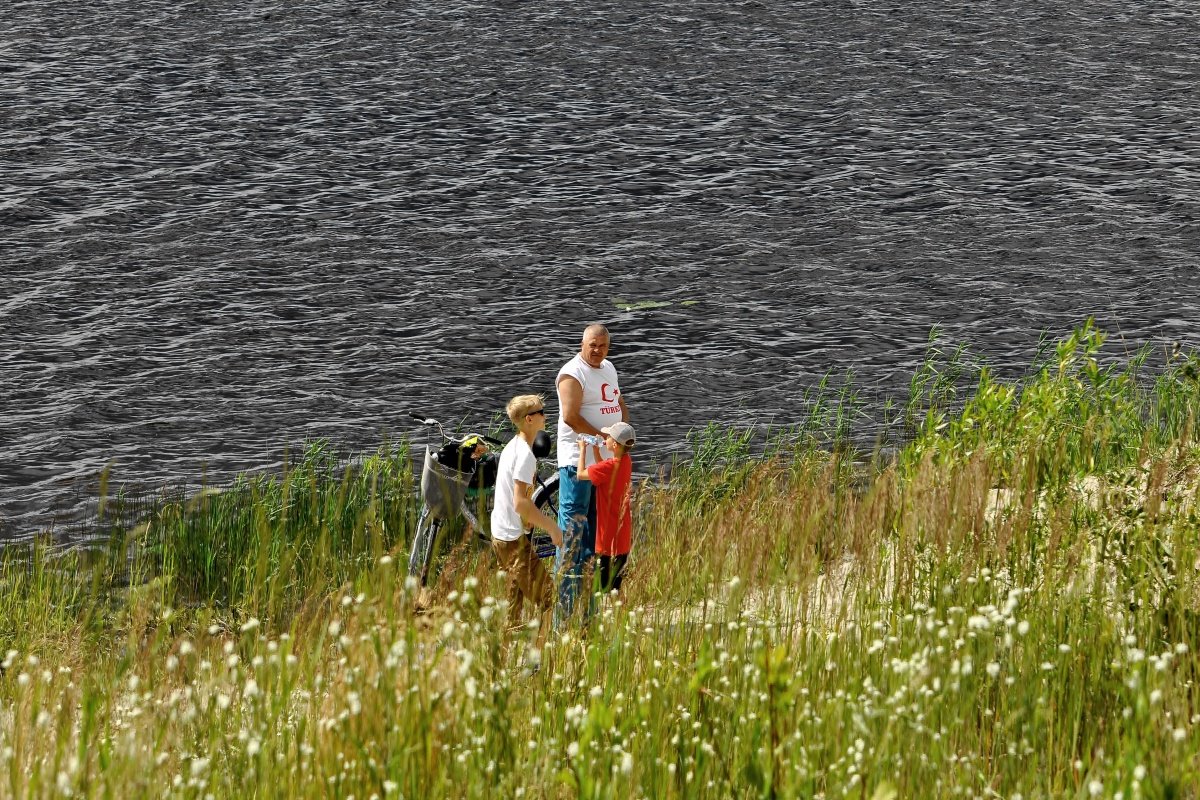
{"points": [[268, 543]]}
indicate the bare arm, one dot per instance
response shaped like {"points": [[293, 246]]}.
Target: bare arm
{"points": [[532, 515], [624, 408], [570, 400], [581, 470]]}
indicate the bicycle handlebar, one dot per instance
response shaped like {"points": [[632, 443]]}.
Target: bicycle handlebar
{"points": [[433, 422]]}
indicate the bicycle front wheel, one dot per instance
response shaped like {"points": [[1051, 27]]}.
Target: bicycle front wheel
{"points": [[428, 527]]}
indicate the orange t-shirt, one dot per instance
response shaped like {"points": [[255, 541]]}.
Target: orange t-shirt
{"points": [[612, 479]]}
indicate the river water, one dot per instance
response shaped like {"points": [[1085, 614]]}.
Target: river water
{"points": [[227, 227]]}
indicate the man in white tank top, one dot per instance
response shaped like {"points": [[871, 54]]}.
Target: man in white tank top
{"points": [[589, 398]]}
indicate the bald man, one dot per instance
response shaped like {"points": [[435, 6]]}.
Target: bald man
{"points": [[589, 399]]}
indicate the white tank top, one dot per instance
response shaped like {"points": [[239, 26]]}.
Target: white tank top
{"points": [[599, 407]]}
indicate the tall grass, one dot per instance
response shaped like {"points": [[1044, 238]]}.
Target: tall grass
{"points": [[1006, 608], [269, 543]]}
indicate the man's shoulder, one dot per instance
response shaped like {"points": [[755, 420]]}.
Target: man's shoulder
{"points": [[571, 369]]}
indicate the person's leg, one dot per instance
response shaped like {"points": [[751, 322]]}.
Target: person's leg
{"points": [[588, 553], [535, 585], [541, 594], [610, 570], [507, 554], [574, 497], [616, 575]]}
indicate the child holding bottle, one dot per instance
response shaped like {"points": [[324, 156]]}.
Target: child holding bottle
{"points": [[613, 481]]}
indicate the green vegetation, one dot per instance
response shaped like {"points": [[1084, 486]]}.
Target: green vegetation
{"points": [[1007, 606]]}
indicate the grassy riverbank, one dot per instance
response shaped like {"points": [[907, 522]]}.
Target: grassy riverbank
{"points": [[1007, 607]]}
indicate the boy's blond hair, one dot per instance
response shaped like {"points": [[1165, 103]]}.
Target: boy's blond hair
{"points": [[521, 405]]}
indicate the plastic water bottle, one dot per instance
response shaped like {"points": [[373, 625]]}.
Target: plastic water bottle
{"points": [[592, 439]]}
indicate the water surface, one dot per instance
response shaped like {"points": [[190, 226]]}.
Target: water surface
{"points": [[228, 227]]}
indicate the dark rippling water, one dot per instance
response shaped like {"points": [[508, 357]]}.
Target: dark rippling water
{"points": [[229, 226]]}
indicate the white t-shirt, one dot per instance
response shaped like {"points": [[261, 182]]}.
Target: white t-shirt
{"points": [[517, 463], [600, 405]]}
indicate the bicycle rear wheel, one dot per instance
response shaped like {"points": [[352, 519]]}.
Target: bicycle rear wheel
{"points": [[545, 497], [428, 528]]}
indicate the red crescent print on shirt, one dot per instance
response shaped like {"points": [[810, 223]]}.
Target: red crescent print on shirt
{"points": [[609, 394]]}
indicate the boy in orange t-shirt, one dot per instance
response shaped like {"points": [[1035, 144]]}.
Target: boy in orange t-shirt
{"points": [[613, 480]]}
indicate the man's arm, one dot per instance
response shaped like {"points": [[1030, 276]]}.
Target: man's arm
{"points": [[624, 408], [570, 401], [532, 515]]}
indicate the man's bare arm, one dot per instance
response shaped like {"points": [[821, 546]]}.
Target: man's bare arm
{"points": [[570, 401]]}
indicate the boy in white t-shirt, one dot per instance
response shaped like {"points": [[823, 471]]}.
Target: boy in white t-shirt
{"points": [[514, 510]]}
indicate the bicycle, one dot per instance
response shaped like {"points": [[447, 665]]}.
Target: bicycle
{"points": [[458, 477]]}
